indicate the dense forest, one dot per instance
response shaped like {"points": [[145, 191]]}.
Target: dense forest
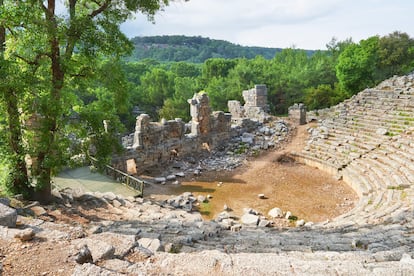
{"points": [[194, 49], [320, 79], [64, 73]]}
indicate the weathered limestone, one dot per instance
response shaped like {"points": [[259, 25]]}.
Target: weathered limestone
{"points": [[367, 141], [8, 216], [158, 142], [297, 113], [200, 113], [255, 106]]}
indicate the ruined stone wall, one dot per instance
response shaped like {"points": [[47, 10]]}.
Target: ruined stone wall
{"points": [[255, 106], [297, 113], [154, 143]]}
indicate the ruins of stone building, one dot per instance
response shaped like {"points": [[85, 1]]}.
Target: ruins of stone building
{"points": [[255, 107], [153, 143], [297, 113]]}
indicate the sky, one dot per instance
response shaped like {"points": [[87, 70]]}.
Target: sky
{"points": [[304, 24]]}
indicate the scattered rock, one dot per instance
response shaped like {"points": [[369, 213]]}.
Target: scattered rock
{"points": [[250, 211], [261, 196], [180, 174], [288, 215], [247, 138], [236, 228], [201, 198], [88, 269], [116, 203], [84, 255], [264, 223], [171, 177], [153, 245], [5, 201], [309, 224], [100, 250], [25, 235], [275, 213], [300, 223], [382, 131], [160, 180], [250, 219], [8, 216]]}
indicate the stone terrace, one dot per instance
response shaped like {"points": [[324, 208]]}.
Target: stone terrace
{"points": [[368, 141]]}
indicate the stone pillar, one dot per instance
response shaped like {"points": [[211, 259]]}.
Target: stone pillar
{"points": [[235, 109], [200, 114], [297, 112], [141, 127], [256, 106]]}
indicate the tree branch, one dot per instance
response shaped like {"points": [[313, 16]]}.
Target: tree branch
{"points": [[32, 62], [101, 9]]}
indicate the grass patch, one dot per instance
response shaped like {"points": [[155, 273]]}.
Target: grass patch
{"points": [[293, 218], [398, 188], [241, 149], [205, 208]]}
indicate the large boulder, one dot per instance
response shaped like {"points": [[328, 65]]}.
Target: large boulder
{"points": [[250, 219], [8, 216]]}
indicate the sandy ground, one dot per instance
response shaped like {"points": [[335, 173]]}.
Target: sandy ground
{"points": [[307, 192]]}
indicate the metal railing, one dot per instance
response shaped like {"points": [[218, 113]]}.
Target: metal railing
{"points": [[122, 177]]}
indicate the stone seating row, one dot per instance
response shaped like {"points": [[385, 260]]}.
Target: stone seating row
{"points": [[378, 165]]}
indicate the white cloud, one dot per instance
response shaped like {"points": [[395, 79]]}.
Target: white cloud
{"points": [[278, 23]]}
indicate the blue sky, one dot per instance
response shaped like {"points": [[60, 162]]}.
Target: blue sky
{"points": [[306, 24]]}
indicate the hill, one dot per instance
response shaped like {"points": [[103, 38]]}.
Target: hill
{"points": [[193, 49]]}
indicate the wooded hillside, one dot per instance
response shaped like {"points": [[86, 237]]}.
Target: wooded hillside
{"points": [[195, 49]]}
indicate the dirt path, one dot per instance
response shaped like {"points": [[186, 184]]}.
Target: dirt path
{"points": [[305, 191]]}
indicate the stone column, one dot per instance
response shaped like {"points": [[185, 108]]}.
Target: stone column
{"points": [[141, 128], [200, 114], [297, 112]]}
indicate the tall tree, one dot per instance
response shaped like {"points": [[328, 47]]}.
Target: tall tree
{"points": [[357, 65], [55, 46], [17, 180], [396, 55]]}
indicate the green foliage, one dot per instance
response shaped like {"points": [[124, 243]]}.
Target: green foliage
{"points": [[50, 62], [356, 66], [374, 59], [324, 95], [177, 106], [396, 55]]}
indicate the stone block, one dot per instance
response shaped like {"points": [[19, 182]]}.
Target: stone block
{"points": [[249, 219], [8, 216]]}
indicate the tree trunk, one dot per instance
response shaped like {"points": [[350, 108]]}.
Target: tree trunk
{"points": [[20, 181], [51, 113]]}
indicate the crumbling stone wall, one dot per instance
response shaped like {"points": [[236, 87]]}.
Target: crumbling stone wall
{"points": [[153, 143], [255, 107], [297, 113]]}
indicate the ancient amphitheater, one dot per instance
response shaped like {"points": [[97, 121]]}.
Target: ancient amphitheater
{"points": [[366, 140]]}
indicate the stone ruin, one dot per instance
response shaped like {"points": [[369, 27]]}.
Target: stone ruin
{"points": [[297, 113], [255, 107], [154, 143]]}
